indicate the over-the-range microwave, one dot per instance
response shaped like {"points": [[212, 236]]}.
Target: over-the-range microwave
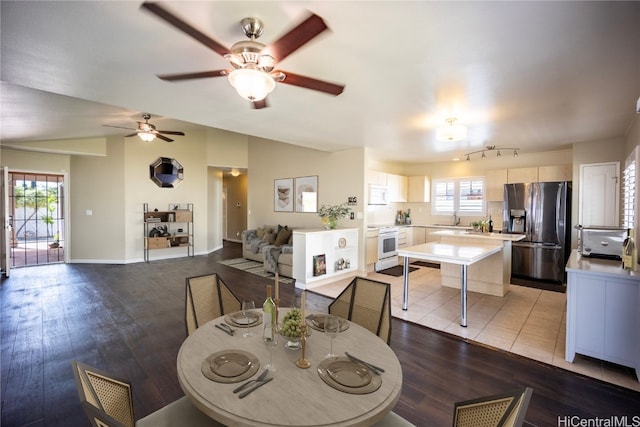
{"points": [[377, 194]]}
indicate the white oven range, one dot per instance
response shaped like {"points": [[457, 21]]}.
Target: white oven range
{"points": [[387, 247]]}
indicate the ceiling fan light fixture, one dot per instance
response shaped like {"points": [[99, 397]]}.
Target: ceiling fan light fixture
{"points": [[451, 132], [252, 84], [146, 136]]}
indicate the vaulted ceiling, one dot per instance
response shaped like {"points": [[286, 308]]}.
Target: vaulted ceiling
{"points": [[534, 75]]}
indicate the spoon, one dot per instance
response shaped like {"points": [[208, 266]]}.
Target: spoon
{"points": [[262, 376]]}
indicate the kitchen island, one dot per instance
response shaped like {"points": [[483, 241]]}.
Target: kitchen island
{"points": [[603, 320], [491, 275], [460, 254]]}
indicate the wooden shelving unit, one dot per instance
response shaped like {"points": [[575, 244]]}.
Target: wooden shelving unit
{"points": [[168, 229]]}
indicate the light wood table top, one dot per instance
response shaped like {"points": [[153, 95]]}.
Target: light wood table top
{"points": [[295, 397]]}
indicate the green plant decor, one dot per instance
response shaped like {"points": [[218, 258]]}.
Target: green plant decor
{"points": [[331, 214]]}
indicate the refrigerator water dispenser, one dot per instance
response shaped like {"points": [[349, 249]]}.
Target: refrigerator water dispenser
{"points": [[517, 220]]}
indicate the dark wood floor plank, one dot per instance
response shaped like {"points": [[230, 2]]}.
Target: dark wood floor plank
{"points": [[129, 320]]}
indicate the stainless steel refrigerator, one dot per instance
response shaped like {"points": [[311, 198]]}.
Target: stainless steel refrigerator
{"points": [[542, 212]]}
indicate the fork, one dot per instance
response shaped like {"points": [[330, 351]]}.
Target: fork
{"points": [[262, 376]]}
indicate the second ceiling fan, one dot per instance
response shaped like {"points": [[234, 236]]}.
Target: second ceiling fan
{"points": [[253, 73]]}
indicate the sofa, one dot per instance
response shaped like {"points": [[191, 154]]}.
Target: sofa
{"points": [[270, 245]]}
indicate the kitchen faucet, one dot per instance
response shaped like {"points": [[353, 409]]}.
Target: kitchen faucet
{"points": [[456, 219]]}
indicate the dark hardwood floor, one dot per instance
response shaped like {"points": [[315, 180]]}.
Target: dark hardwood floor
{"points": [[129, 320]]}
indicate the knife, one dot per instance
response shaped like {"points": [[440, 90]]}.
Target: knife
{"points": [[224, 329], [376, 370], [260, 384]]}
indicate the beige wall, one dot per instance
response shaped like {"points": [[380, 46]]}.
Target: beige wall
{"points": [[34, 162], [340, 175], [227, 149], [97, 185]]}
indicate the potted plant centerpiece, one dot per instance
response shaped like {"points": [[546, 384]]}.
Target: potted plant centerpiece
{"points": [[331, 214]]}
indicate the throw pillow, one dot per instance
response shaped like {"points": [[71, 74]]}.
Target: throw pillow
{"points": [[269, 238], [260, 233], [283, 236]]}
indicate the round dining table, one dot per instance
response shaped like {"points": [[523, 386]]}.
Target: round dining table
{"points": [[296, 396]]}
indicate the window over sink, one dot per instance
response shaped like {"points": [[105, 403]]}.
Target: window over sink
{"points": [[464, 196]]}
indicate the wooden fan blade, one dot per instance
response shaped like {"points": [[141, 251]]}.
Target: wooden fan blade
{"points": [[172, 19], [298, 36], [162, 137], [170, 132], [260, 104], [197, 75], [132, 134], [313, 84]]}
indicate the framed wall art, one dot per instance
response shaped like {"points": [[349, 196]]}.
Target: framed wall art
{"points": [[307, 194], [283, 195]]}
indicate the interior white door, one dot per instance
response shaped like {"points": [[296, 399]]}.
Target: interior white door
{"points": [[5, 223], [599, 194]]}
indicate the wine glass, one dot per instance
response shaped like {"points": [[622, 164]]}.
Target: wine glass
{"points": [[247, 306], [270, 339], [331, 329]]}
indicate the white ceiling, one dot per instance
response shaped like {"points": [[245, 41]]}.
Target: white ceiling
{"points": [[532, 75]]}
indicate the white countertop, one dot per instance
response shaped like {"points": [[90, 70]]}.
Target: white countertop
{"points": [[453, 253], [477, 235], [582, 264], [443, 226]]}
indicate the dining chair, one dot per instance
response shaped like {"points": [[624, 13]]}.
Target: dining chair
{"points": [[366, 302], [207, 297], [393, 420], [107, 401], [503, 409]]}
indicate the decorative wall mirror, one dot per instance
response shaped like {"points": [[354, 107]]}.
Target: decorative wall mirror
{"points": [[166, 172]]}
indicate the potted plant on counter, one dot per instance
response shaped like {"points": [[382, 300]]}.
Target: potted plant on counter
{"points": [[331, 214]]}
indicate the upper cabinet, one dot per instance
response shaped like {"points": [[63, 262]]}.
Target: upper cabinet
{"points": [[515, 176], [540, 174], [397, 186], [377, 178], [495, 181], [555, 173], [419, 189]]}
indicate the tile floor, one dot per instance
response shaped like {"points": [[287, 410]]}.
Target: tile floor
{"points": [[527, 321]]}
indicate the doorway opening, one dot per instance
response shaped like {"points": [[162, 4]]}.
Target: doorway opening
{"points": [[36, 210]]}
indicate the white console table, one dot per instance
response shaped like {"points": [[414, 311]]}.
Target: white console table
{"points": [[337, 244]]}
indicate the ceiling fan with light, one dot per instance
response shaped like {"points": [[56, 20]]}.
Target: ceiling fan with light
{"points": [[148, 132], [252, 71]]}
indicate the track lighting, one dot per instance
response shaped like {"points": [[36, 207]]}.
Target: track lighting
{"points": [[492, 148]]}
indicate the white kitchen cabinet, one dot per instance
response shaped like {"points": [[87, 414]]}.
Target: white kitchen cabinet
{"points": [[494, 182], [371, 250], [519, 175], [555, 173], [336, 245], [397, 187], [416, 235], [402, 237], [376, 178], [419, 189], [603, 320]]}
